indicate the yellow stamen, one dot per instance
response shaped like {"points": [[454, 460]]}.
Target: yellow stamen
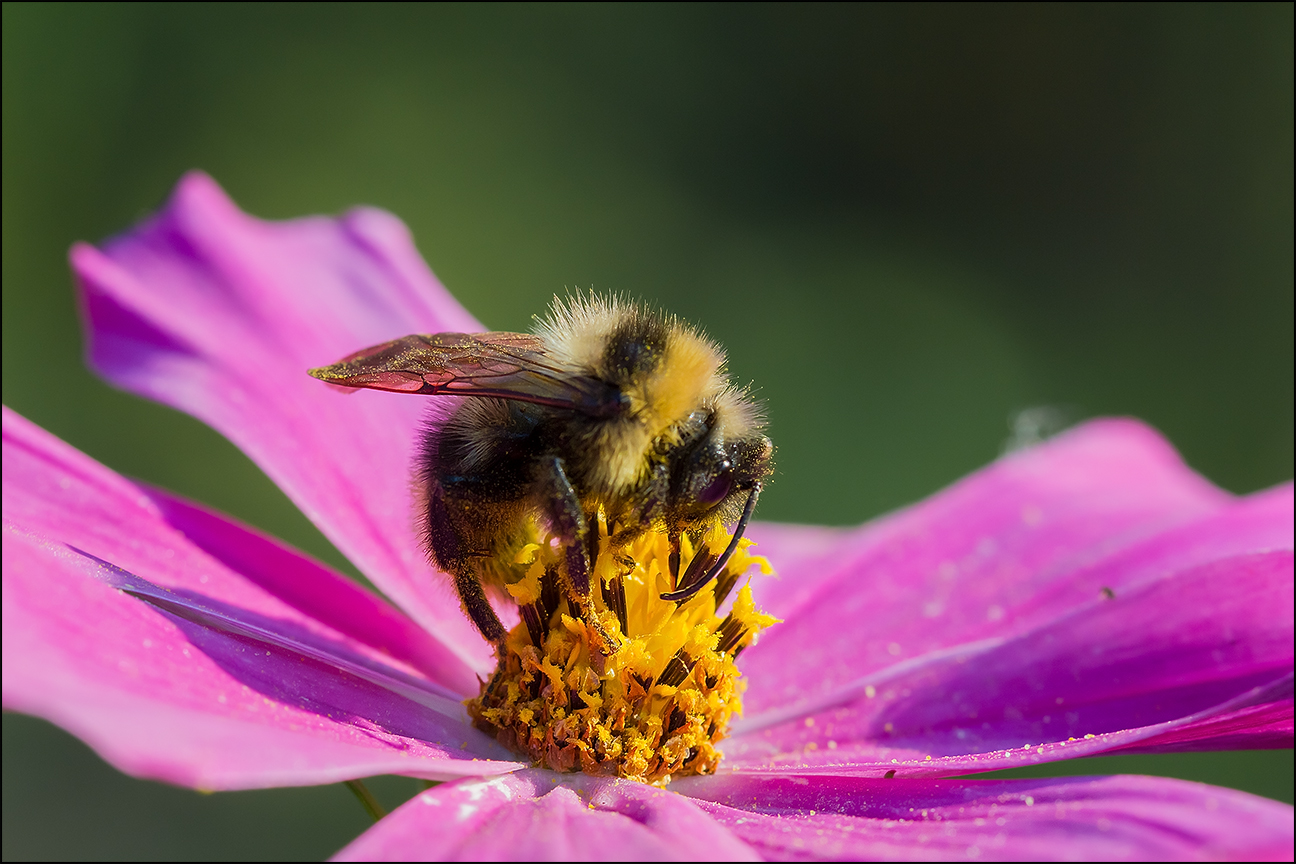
{"points": [[660, 700]]}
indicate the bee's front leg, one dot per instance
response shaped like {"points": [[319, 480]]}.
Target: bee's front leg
{"points": [[567, 520]]}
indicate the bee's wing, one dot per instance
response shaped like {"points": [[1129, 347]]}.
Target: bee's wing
{"points": [[501, 365]]}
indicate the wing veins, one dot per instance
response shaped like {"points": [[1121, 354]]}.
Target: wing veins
{"points": [[486, 365]]}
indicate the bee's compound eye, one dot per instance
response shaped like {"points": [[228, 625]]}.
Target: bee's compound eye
{"points": [[715, 491], [705, 478]]}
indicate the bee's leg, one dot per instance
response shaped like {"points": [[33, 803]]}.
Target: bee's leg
{"points": [[694, 580], [450, 550], [479, 610], [567, 520], [703, 559]]}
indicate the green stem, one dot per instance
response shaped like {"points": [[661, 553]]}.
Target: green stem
{"points": [[371, 805]]}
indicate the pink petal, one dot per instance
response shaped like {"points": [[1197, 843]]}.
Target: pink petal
{"points": [[803, 557], [196, 659], [219, 314], [954, 568], [967, 713], [1074, 818], [1168, 661], [543, 816], [1192, 652]]}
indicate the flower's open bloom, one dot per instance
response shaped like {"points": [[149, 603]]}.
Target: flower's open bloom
{"points": [[1088, 595], [651, 709]]}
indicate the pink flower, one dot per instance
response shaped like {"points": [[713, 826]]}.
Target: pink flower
{"points": [[1090, 595]]}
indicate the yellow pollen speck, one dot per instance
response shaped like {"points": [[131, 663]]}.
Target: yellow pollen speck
{"points": [[647, 690], [527, 590]]}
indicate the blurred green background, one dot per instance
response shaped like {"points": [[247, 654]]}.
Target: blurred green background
{"points": [[907, 224]]}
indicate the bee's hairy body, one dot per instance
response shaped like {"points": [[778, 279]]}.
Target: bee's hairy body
{"points": [[670, 444]]}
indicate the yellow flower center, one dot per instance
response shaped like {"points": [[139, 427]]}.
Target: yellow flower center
{"points": [[645, 693]]}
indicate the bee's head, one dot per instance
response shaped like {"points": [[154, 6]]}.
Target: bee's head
{"points": [[713, 474]]}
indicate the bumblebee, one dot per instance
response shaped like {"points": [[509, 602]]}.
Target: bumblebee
{"points": [[607, 408]]}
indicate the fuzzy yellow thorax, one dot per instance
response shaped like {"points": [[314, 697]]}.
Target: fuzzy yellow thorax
{"points": [[654, 702]]}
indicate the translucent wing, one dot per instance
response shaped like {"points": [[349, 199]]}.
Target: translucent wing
{"points": [[500, 365]]}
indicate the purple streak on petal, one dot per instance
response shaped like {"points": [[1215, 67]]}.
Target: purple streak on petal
{"points": [[220, 315], [171, 698], [307, 585], [173, 666], [968, 563], [543, 816], [1180, 649], [1262, 721], [1081, 818]]}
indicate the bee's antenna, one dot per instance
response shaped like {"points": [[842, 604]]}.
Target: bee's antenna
{"points": [[689, 590]]}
